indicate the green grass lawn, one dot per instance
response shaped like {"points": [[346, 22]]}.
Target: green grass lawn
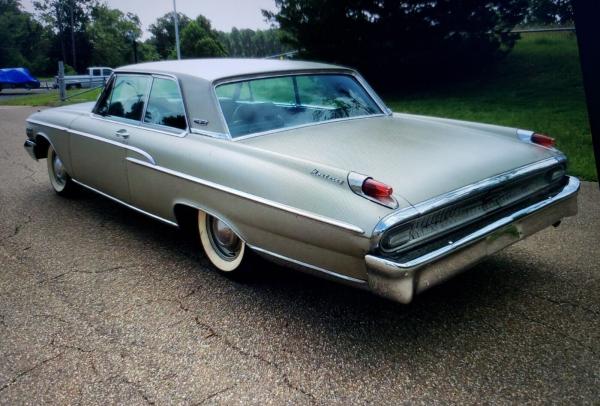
{"points": [[50, 98], [537, 87]]}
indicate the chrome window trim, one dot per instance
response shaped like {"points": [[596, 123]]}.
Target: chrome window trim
{"points": [[95, 137], [208, 133], [409, 213], [114, 199], [280, 130], [385, 111], [254, 198], [140, 123], [138, 126]]}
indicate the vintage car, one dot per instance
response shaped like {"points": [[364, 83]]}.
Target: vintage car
{"points": [[304, 164]]}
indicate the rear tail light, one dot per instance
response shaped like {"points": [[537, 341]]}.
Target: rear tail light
{"points": [[372, 189], [543, 140], [376, 189], [535, 138]]}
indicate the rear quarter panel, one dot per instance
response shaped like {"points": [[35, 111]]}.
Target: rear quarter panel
{"points": [[240, 183]]}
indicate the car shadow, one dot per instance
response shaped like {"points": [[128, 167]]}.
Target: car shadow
{"points": [[484, 286]]}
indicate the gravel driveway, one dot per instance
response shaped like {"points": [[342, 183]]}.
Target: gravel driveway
{"points": [[100, 305]]}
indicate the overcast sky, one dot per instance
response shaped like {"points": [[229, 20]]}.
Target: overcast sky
{"points": [[223, 14]]}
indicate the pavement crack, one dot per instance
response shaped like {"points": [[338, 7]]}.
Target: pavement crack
{"points": [[554, 330], [139, 390], [27, 371], [215, 394], [229, 344], [17, 229], [568, 303]]}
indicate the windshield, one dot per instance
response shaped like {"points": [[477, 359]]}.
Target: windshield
{"points": [[257, 105]]}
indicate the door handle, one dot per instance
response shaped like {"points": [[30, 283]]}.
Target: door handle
{"points": [[122, 133]]}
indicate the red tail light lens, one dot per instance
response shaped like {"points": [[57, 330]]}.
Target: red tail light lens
{"points": [[376, 189], [543, 140]]}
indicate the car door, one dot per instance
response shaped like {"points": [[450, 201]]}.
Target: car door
{"points": [[162, 136], [99, 141]]}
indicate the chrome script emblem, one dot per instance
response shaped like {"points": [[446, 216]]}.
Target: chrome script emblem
{"points": [[330, 178]]}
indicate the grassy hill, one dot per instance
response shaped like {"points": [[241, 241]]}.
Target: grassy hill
{"points": [[537, 87]]}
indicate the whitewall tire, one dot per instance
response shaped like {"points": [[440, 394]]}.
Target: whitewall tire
{"points": [[223, 247], [59, 178]]}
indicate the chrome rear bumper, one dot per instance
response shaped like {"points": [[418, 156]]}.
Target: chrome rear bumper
{"points": [[402, 281]]}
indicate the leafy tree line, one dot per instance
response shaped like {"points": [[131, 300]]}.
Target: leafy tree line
{"points": [[402, 43], [387, 39], [86, 33]]}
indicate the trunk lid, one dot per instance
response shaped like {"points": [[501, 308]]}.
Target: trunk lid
{"points": [[420, 158]]}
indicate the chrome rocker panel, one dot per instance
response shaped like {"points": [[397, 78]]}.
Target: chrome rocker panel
{"points": [[402, 281]]}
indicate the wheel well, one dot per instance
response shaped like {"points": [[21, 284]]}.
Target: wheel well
{"points": [[186, 218], [41, 148]]}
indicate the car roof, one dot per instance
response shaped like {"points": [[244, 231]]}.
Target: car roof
{"points": [[221, 68]]}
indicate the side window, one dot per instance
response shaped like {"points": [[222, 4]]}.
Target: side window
{"points": [[127, 97], [95, 72], [106, 72], [101, 107], [165, 105]]}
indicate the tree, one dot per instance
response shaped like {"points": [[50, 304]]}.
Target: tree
{"points": [[68, 18], [397, 42], [198, 39], [163, 33], [20, 36], [550, 12], [111, 34], [249, 43]]}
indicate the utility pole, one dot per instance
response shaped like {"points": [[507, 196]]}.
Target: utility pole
{"points": [[61, 32], [176, 22], [71, 3]]}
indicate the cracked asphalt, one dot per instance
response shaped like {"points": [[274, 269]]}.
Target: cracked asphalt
{"points": [[100, 305]]}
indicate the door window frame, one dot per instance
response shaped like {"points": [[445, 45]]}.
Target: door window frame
{"points": [[107, 93]]}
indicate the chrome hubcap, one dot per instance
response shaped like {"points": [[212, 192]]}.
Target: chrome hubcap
{"points": [[59, 170], [223, 238]]}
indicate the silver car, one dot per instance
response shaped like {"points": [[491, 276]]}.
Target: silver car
{"points": [[304, 164]]}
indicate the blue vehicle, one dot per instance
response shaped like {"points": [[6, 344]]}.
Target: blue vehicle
{"points": [[14, 78]]}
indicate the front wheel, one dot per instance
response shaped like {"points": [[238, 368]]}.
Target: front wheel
{"points": [[59, 178], [224, 248]]}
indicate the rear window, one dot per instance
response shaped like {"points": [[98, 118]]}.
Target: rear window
{"points": [[258, 105]]}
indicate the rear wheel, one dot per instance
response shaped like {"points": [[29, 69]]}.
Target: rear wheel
{"points": [[59, 178], [224, 248]]}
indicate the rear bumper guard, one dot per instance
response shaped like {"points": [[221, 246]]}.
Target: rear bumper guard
{"points": [[402, 281]]}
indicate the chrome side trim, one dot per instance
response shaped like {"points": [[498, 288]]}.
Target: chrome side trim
{"points": [[118, 144], [257, 199], [114, 199], [427, 206], [58, 127], [304, 267], [97, 138]]}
